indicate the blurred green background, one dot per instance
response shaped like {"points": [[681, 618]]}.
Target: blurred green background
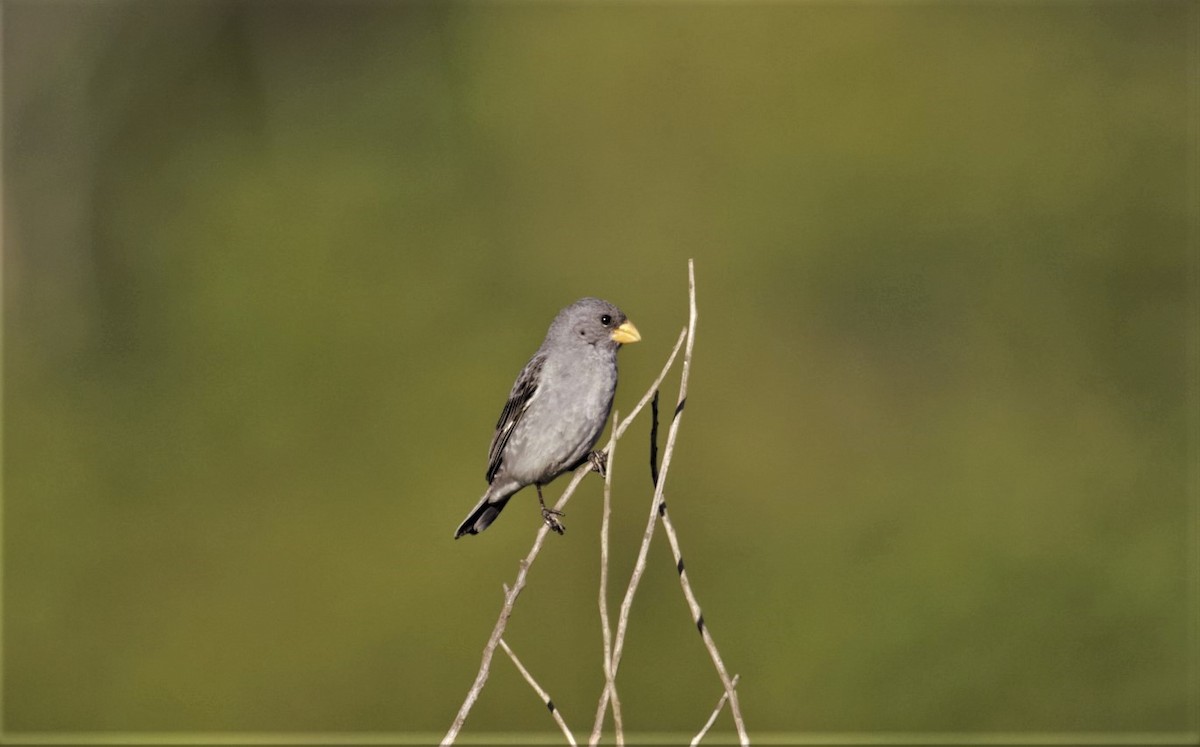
{"points": [[270, 269]]}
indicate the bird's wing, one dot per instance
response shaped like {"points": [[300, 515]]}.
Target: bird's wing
{"points": [[518, 402]]}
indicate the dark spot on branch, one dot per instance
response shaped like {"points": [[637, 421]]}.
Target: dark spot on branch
{"points": [[550, 705], [700, 623], [679, 407], [679, 566], [662, 508], [654, 439]]}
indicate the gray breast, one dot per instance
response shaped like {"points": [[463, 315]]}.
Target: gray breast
{"points": [[564, 420]]}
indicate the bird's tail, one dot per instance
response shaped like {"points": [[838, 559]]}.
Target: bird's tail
{"points": [[484, 513]]}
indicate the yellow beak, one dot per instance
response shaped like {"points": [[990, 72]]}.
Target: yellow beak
{"points": [[626, 333]]}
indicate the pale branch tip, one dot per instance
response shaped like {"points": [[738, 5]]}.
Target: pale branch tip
{"points": [[716, 712]]}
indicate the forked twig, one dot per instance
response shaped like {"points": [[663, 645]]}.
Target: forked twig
{"points": [[510, 599], [713, 718], [656, 504], [511, 594], [545, 696], [659, 511]]}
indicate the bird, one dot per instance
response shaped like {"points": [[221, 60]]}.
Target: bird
{"points": [[556, 409]]}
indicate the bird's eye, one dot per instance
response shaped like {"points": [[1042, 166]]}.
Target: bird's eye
{"points": [[606, 320]]}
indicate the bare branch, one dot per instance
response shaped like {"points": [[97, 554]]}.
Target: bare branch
{"points": [[658, 510], [656, 506], [489, 649], [605, 624], [673, 539], [545, 696], [713, 718], [698, 618]]}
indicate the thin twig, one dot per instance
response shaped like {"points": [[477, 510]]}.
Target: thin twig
{"points": [[655, 506], [510, 597], [605, 624], [545, 696], [713, 718]]}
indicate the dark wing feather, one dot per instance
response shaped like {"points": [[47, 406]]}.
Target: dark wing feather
{"points": [[518, 402]]}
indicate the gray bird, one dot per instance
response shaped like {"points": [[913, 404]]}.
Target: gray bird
{"points": [[556, 409]]}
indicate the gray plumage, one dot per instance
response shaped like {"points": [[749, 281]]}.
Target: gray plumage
{"points": [[557, 407]]}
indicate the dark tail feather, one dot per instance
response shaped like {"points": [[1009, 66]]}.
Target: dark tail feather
{"points": [[484, 513]]}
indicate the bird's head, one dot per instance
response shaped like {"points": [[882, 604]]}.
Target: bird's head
{"points": [[593, 321]]}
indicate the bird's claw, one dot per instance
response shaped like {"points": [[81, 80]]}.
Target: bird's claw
{"points": [[550, 516], [599, 461]]}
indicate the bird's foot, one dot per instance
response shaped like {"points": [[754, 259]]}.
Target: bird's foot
{"points": [[550, 516], [599, 461]]}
